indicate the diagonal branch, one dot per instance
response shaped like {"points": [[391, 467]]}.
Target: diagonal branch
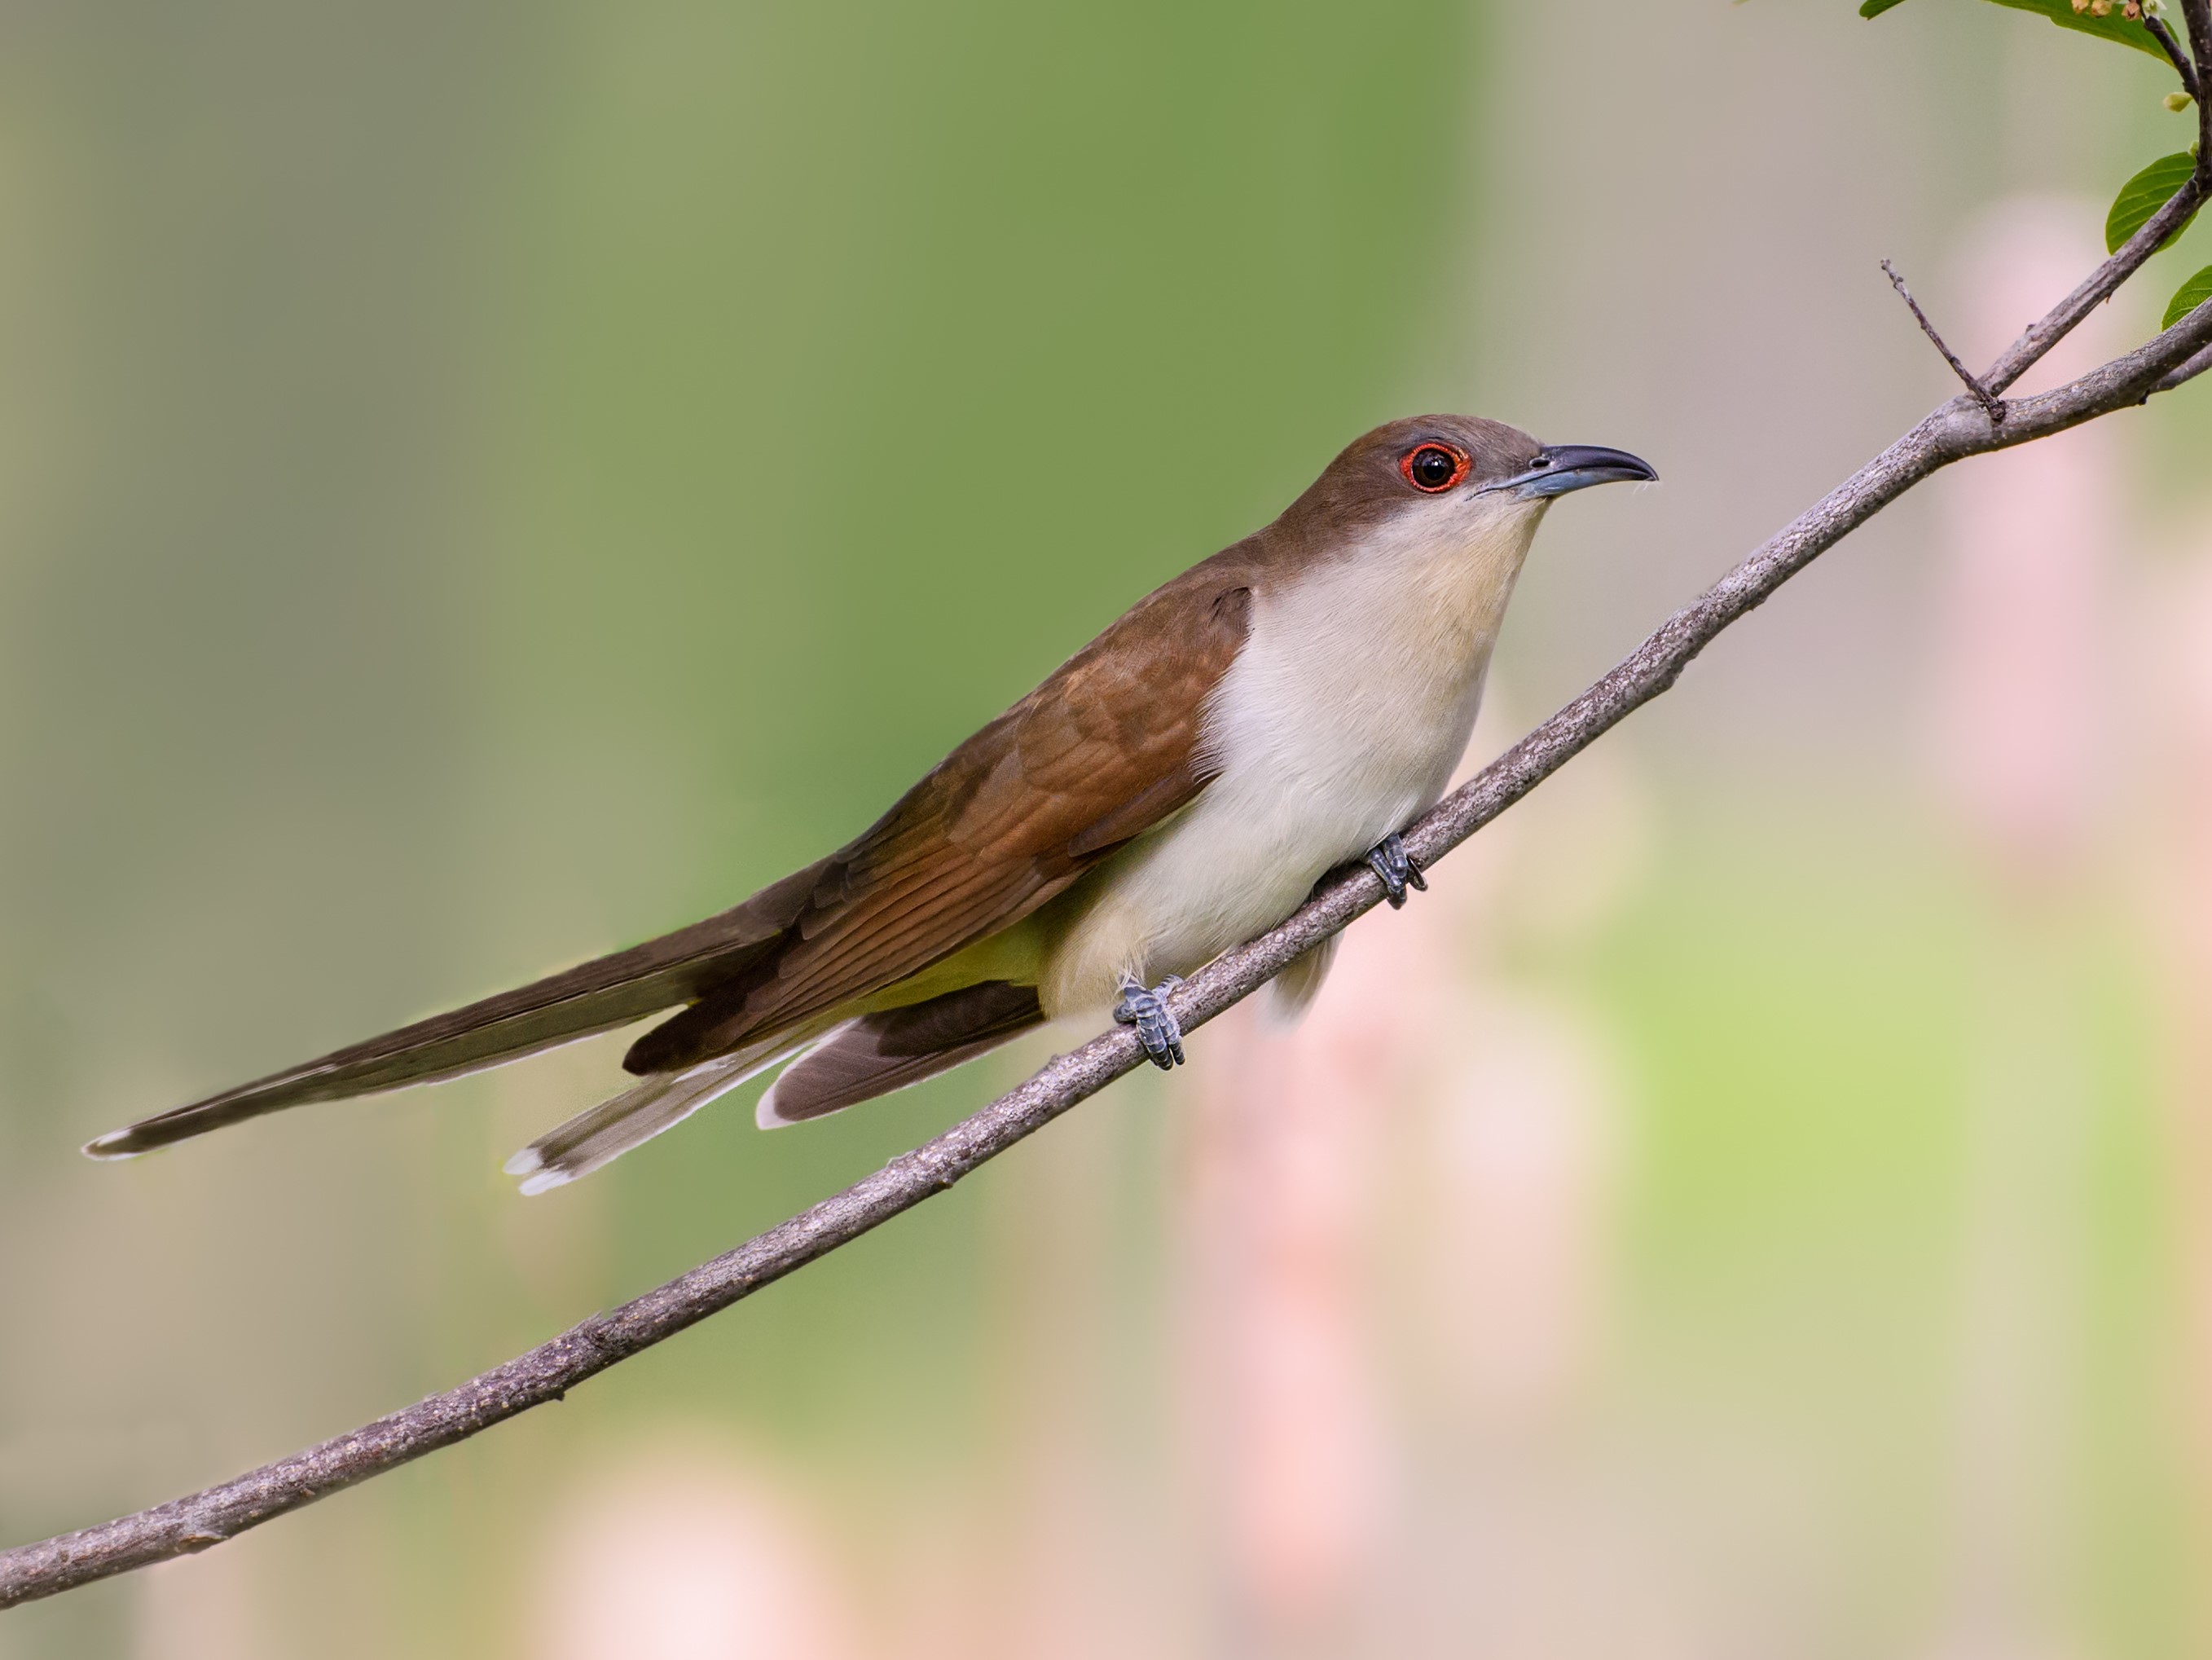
{"points": [[1957, 429], [2101, 285]]}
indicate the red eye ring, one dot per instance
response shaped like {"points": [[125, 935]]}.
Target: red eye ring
{"points": [[1424, 467]]}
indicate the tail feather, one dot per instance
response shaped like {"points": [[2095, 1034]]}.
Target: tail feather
{"points": [[660, 1102], [594, 997], [1291, 992], [876, 1054]]}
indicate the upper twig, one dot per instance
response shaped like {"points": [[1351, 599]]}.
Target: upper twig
{"points": [[2182, 66], [1988, 399], [2197, 15]]}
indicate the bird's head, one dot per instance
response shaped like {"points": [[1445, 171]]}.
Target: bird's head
{"points": [[1457, 476]]}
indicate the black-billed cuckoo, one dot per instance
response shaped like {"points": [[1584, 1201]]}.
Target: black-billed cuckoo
{"points": [[1174, 789]]}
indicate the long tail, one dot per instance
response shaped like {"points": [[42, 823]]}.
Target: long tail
{"points": [[594, 997]]}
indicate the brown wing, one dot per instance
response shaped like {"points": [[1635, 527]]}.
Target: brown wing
{"points": [[1097, 755]]}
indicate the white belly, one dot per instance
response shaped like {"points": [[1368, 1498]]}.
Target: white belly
{"points": [[1340, 721]]}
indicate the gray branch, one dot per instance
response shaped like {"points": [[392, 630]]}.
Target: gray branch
{"points": [[1959, 429]]}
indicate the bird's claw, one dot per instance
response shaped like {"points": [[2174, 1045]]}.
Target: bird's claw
{"points": [[1157, 1029], [1396, 868]]}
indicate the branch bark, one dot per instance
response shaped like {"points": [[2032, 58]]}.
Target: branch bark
{"points": [[1957, 429]]}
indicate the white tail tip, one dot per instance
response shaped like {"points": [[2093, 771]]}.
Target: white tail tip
{"points": [[765, 1115]]}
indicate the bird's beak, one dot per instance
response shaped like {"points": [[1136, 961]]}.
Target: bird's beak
{"points": [[1560, 468]]}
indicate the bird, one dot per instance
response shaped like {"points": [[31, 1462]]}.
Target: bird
{"points": [[1178, 786]]}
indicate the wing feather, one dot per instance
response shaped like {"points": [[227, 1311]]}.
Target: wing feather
{"points": [[1106, 748]]}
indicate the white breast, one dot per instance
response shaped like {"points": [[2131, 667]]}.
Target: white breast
{"points": [[1340, 721]]}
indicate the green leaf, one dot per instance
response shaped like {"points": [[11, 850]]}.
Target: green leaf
{"points": [[2191, 294], [2144, 195], [2113, 26]]}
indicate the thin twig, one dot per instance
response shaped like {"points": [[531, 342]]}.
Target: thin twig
{"points": [[185, 1525], [2198, 15], [2182, 67], [1989, 400]]}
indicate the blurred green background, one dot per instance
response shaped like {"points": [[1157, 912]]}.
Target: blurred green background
{"points": [[481, 487]]}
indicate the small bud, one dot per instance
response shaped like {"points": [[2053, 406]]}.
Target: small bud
{"points": [[2132, 12], [2177, 101], [2100, 8], [2081, 5], [2153, 8]]}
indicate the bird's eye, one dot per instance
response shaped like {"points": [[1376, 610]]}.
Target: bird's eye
{"points": [[1434, 468]]}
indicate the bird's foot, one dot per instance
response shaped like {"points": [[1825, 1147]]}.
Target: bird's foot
{"points": [[1157, 1029], [1396, 868]]}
